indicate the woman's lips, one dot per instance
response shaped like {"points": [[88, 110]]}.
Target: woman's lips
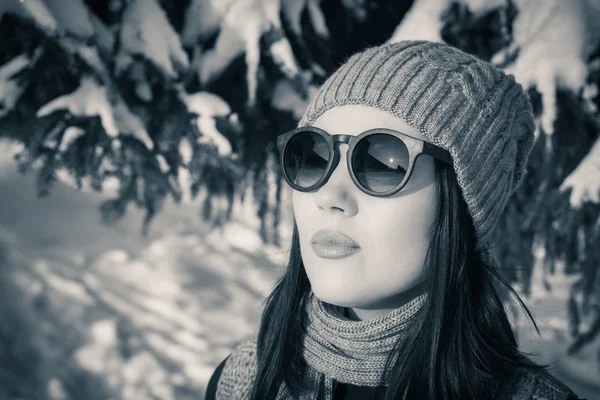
{"points": [[331, 244]]}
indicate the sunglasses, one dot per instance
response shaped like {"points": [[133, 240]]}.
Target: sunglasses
{"points": [[380, 161]]}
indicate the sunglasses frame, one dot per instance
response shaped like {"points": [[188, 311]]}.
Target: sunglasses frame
{"points": [[416, 147]]}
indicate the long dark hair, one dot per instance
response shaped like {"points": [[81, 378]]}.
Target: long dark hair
{"points": [[459, 344]]}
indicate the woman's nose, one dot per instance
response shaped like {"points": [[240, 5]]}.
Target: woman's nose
{"points": [[338, 194]]}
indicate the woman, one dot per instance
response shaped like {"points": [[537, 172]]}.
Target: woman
{"points": [[401, 168]]}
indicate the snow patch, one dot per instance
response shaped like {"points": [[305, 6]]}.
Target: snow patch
{"points": [[202, 19], [206, 104], [243, 25], [71, 134], [585, 179], [554, 39], [89, 99], [211, 135], [131, 124], [185, 150], [146, 31], [10, 89], [145, 379], [72, 16], [480, 7], [283, 56], [286, 98], [422, 22], [34, 10]]}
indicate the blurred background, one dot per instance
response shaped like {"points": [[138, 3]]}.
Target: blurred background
{"points": [[143, 217]]}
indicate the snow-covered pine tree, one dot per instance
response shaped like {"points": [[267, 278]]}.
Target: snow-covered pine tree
{"points": [[152, 98], [552, 228]]}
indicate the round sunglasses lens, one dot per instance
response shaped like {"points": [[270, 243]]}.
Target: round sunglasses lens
{"points": [[305, 159], [380, 162]]}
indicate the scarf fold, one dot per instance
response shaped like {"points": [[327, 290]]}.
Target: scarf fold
{"points": [[354, 352]]}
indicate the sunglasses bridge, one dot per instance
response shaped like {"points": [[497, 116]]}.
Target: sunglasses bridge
{"points": [[341, 138]]}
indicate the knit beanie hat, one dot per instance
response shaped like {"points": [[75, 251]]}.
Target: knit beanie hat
{"points": [[458, 102]]}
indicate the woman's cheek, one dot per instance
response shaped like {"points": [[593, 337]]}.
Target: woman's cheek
{"points": [[399, 232], [306, 216]]}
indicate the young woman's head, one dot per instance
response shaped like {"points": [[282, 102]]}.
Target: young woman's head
{"points": [[388, 236], [402, 165]]}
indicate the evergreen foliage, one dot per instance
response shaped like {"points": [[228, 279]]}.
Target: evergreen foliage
{"points": [[141, 97]]}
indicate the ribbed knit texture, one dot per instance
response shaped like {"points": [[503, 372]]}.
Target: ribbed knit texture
{"points": [[354, 351], [459, 102], [335, 347], [360, 340]]}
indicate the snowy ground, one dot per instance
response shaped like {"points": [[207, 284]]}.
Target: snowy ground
{"points": [[161, 312], [179, 300], [580, 372]]}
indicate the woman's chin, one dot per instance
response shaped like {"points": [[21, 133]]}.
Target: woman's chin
{"points": [[338, 293]]}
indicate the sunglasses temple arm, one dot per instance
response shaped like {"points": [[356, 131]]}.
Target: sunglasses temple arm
{"points": [[437, 152]]}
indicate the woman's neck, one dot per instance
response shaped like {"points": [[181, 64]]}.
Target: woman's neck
{"points": [[385, 306]]}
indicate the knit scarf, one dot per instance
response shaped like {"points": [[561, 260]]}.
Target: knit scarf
{"points": [[355, 352]]}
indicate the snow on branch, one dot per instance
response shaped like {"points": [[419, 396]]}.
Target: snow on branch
{"points": [[71, 134], [210, 134], [293, 9], [34, 10], [317, 18], [72, 16], [422, 22], [202, 19], [131, 124], [207, 106], [480, 7], [243, 25], [554, 39], [146, 32], [585, 179], [10, 89], [92, 99], [282, 54], [89, 99], [286, 98], [424, 19], [104, 37]]}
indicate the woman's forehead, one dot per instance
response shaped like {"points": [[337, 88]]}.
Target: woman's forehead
{"points": [[352, 119]]}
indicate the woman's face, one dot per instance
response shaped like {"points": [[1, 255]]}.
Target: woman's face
{"points": [[392, 232]]}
